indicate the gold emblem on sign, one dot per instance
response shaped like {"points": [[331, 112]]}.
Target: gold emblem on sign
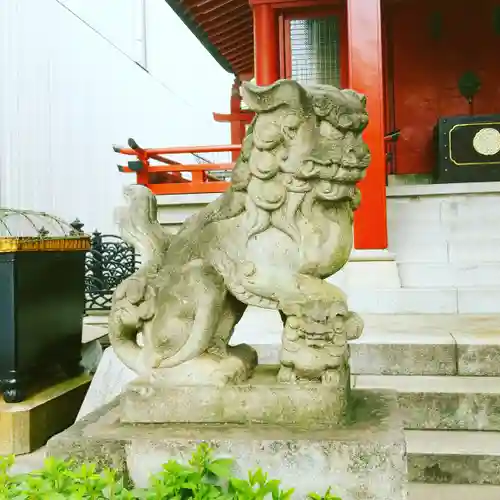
{"points": [[487, 142]]}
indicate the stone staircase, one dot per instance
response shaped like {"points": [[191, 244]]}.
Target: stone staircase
{"points": [[446, 370], [447, 247]]}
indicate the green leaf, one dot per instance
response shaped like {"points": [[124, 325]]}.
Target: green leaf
{"points": [[240, 485], [286, 495], [203, 478], [221, 467]]}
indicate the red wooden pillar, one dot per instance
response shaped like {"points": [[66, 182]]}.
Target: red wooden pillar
{"points": [[266, 45], [366, 76]]}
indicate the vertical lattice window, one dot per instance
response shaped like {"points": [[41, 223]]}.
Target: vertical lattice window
{"points": [[315, 51]]}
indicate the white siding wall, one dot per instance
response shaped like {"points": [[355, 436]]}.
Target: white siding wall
{"points": [[70, 88]]}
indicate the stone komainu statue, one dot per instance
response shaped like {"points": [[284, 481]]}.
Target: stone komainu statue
{"points": [[283, 226]]}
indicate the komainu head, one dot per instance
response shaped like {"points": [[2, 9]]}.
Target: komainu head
{"points": [[303, 139]]}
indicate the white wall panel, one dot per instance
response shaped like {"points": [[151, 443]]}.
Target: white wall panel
{"points": [[67, 95]]}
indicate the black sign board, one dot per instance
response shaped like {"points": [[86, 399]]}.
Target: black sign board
{"points": [[467, 149]]}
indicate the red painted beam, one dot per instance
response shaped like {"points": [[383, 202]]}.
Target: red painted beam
{"points": [[243, 117], [181, 149], [194, 167], [189, 188], [366, 76]]}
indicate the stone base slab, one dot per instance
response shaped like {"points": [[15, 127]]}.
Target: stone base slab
{"points": [[26, 426], [364, 459], [260, 400]]}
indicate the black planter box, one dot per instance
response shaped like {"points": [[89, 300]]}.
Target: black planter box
{"points": [[42, 301], [467, 149]]}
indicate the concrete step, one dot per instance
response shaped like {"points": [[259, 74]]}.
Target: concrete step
{"points": [[486, 249], [404, 301], [432, 301], [478, 300], [448, 206], [447, 223], [95, 327], [453, 457], [384, 353], [399, 344], [176, 208], [466, 345], [423, 244], [420, 491], [395, 344], [173, 210], [429, 300], [451, 275], [442, 402], [434, 247], [421, 249]]}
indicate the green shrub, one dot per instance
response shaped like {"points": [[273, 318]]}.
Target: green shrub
{"points": [[204, 478]]}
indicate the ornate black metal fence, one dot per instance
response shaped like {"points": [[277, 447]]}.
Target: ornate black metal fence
{"points": [[107, 264]]}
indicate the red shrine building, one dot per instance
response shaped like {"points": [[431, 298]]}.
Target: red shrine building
{"points": [[429, 70]]}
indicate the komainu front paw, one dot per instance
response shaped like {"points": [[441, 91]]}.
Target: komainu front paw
{"points": [[134, 301], [354, 325], [286, 375]]}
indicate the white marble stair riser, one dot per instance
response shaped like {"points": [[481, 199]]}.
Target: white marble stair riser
{"points": [[443, 275]]}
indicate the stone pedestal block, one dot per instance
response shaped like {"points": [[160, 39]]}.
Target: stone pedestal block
{"points": [[26, 426], [362, 459], [260, 400]]}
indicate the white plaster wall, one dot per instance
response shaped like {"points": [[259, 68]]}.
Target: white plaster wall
{"points": [[70, 88], [174, 56], [116, 20]]}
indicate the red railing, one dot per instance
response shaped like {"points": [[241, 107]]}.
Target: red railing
{"points": [[166, 177]]}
